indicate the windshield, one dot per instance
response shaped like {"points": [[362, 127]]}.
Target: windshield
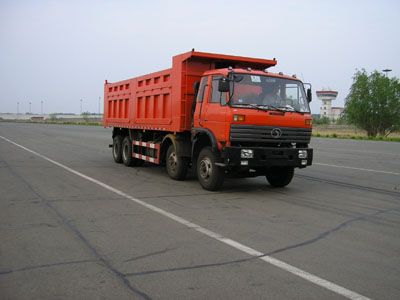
{"points": [[268, 92]]}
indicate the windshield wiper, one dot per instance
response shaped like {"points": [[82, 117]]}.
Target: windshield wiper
{"points": [[260, 107], [249, 105], [291, 109], [272, 107], [255, 106]]}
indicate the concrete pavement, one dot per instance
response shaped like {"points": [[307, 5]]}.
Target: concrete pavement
{"points": [[66, 237]]}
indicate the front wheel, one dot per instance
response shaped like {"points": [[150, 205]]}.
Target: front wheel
{"points": [[280, 176], [210, 176]]}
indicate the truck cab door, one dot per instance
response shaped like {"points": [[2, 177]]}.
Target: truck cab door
{"points": [[214, 110]]}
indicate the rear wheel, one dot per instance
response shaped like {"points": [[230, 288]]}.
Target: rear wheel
{"points": [[127, 152], [280, 176], [117, 149], [176, 166], [210, 176], [127, 158]]}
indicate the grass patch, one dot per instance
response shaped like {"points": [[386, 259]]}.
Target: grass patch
{"points": [[350, 132], [369, 138], [359, 137]]}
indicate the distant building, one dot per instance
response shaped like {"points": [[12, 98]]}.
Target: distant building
{"points": [[326, 109], [337, 112]]}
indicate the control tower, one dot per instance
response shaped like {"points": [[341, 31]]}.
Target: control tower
{"points": [[327, 96]]}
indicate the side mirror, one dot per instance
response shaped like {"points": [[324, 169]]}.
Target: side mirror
{"points": [[223, 85], [309, 92], [309, 95]]}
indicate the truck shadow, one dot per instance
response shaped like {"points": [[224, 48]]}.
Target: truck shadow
{"points": [[231, 185]]}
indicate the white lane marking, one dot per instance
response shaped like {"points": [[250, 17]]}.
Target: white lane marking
{"points": [[250, 251], [354, 168]]}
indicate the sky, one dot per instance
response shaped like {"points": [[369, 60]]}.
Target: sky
{"points": [[60, 52]]}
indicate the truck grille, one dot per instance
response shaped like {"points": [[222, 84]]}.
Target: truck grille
{"points": [[253, 134]]}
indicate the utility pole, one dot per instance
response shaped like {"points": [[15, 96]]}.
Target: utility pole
{"points": [[17, 109], [30, 107], [387, 71], [81, 105], [99, 104], [41, 107]]}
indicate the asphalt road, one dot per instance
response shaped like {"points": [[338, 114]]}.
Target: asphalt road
{"points": [[82, 227]]}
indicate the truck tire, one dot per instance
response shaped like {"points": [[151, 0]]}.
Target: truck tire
{"points": [[127, 158], [176, 166], [117, 149], [280, 176], [210, 176]]}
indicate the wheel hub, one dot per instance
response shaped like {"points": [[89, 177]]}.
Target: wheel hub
{"points": [[205, 168], [172, 161]]}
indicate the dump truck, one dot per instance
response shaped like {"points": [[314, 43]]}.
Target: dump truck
{"points": [[220, 115]]}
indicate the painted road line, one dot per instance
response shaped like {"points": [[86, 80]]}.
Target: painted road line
{"points": [[243, 248], [359, 169]]}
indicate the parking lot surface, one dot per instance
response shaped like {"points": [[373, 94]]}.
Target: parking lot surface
{"points": [[76, 225]]}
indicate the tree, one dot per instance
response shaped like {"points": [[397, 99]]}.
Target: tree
{"points": [[373, 103]]}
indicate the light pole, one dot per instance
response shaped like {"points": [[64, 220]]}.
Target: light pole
{"points": [[81, 105], [17, 109], [41, 107], [387, 71], [30, 108], [99, 104]]}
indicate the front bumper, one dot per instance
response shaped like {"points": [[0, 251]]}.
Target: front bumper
{"points": [[266, 157]]}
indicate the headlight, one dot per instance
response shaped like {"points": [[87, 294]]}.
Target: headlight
{"points": [[302, 154], [246, 153]]}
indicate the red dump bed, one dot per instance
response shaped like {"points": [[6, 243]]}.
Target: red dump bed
{"points": [[163, 100]]}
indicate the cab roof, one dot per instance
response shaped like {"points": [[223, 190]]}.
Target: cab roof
{"points": [[225, 71]]}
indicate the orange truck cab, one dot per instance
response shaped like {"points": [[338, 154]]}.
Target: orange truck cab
{"points": [[222, 115]]}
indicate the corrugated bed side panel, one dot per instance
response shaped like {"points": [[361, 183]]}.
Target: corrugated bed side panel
{"points": [[116, 103], [152, 105], [143, 102]]}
